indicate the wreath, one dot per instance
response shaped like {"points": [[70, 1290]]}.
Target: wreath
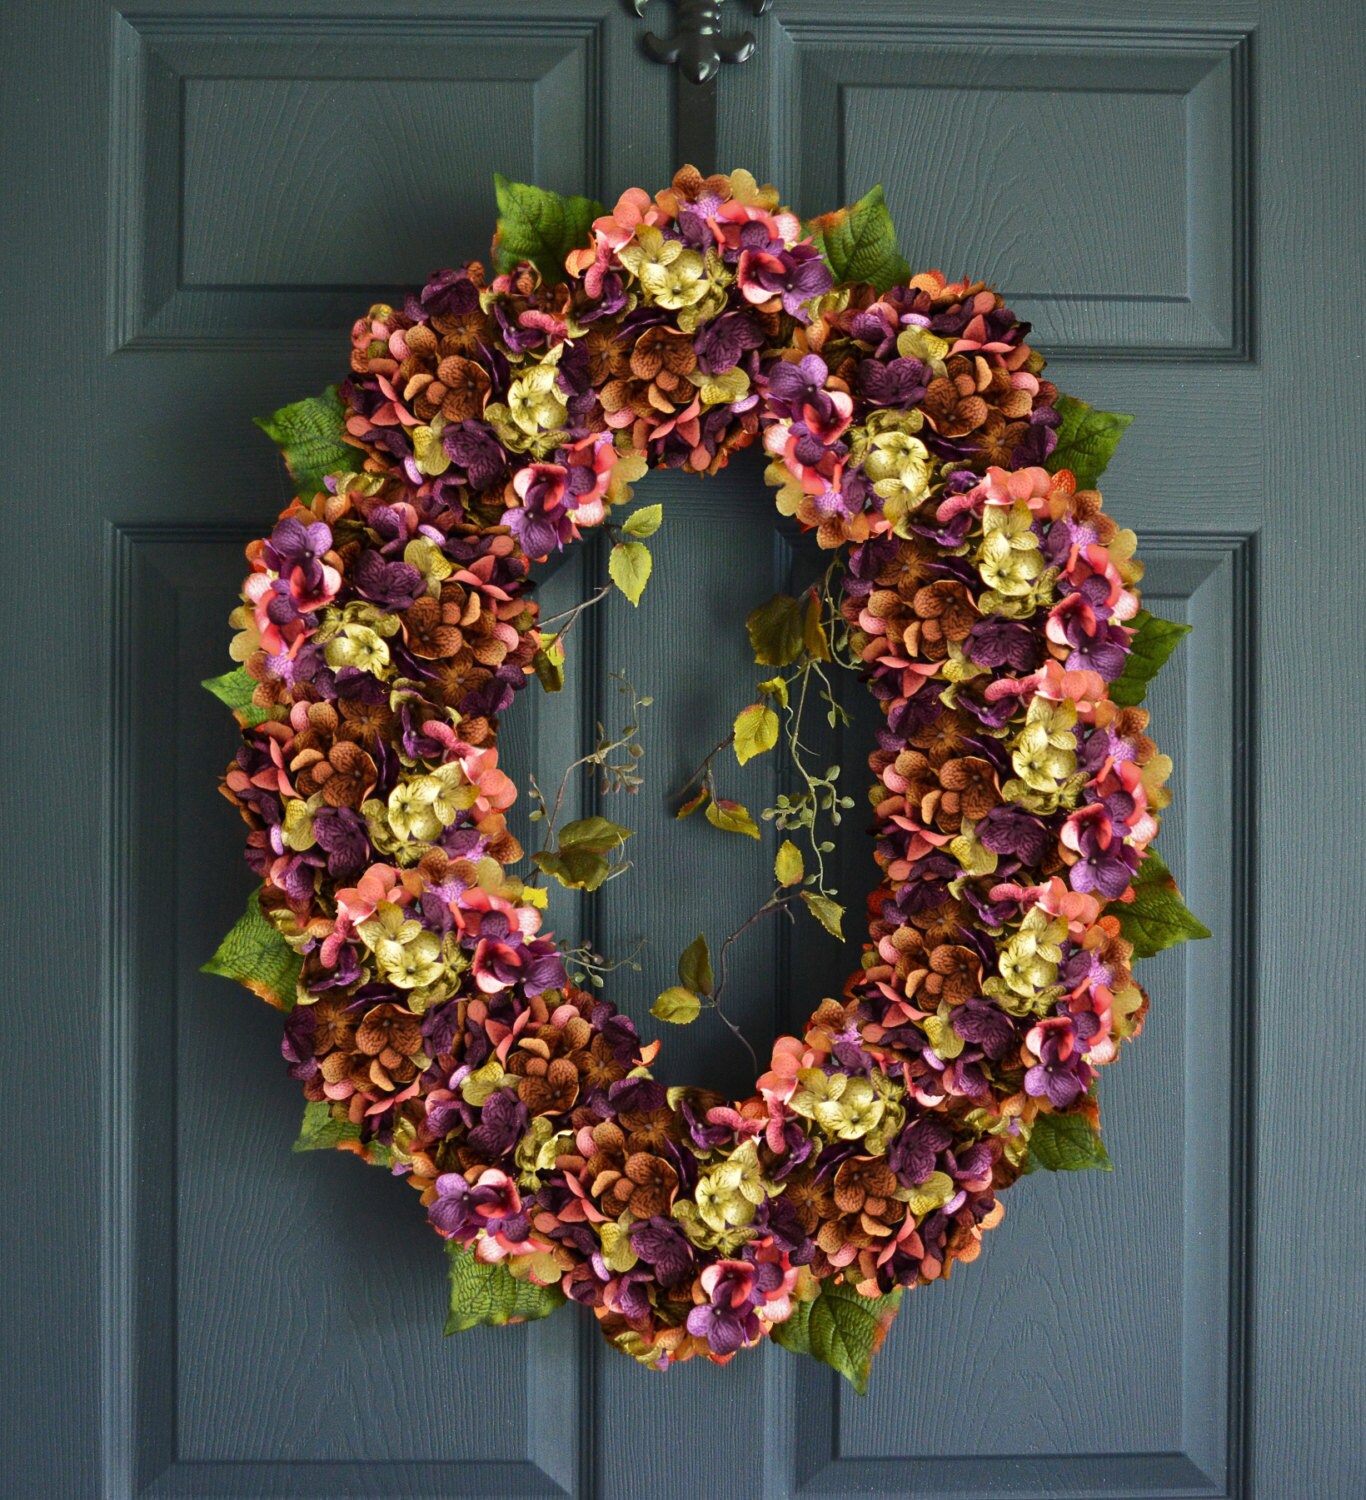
{"points": [[976, 585]]}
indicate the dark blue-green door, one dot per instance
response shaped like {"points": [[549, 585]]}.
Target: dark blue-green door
{"points": [[199, 199]]}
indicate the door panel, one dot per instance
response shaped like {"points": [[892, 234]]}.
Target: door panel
{"points": [[225, 186]]}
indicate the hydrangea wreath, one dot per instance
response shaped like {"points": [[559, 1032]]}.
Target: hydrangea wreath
{"points": [[991, 607]]}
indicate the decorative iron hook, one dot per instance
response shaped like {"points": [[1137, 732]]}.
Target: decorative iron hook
{"points": [[697, 45]]}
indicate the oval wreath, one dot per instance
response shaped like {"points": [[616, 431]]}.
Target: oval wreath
{"points": [[992, 608]]}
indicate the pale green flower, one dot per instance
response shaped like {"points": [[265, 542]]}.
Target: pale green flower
{"points": [[1028, 964], [357, 646], [423, 554], [1045, 751], [900, 466], [1009, 559], [843, 1107], [406, 954], [419, 808], [728, 1193], [669, 275], [535, 403]]}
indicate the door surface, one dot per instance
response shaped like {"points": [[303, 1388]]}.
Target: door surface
{"points": [[200, 198]]}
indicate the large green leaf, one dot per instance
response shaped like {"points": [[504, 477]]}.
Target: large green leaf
{"points": [[540, 226], [1157, 917], [1067, 1143], [1153, 642], [1087, 439], [859, 243], [310, 435], [841, 1329], [322, 1131], [235, 689], [629, 565], [776, 630], [492, 1294], [254, 954]]}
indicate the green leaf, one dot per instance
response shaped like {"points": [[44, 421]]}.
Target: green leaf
{"points": [[597, 834], [1067, 1143], [775, 630], [309, 434], [1153, 642], [576, 869], [492, 1294], [859, 243], [1157, 917], [322, 1131], [841, 1329], [756, 730], [540, 226], [694, 966], [827, 912], [254, 954], [789, 866], [676, 1005], [629, 565], [643, 522], [548, 664], [1087, 439], [235, 689], [731, 817]]}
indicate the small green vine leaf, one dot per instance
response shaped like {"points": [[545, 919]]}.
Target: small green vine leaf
{"points": [[322, 1130], [629, 565], [643, 522], [788, 866], [841, 1329], [733, 817], [756, 730], [548, 664], [677, 1006], [256, 955], [235, 689], [830, 914], [310, 435]]}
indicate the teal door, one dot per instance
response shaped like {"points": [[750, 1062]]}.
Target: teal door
{"points": [[200, 199]]}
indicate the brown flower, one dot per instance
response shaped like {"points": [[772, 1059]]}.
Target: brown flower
{"points": [[548, 1088], [970, 787], [955, 974], [346, 777], [391, 1037], [867, 1186], [646, 1187], [952, 406], [432, 627], [946, 613]]}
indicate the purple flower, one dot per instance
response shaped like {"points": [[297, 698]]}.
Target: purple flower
{"points": [[294, 545], [392, 585], [796, 275]]}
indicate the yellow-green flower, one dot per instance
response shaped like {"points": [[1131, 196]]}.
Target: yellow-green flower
{"points": [[728, 1193], [423, 554], [535, 403], [1028, 964], [900, 466], [357, 646], [843, 1107], [669, 274], [406, 954], [1045, 751], [421, 807], [1009, 558]]}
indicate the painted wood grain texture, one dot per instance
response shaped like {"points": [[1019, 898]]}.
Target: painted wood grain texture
{"points": [[192, 1310]]}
